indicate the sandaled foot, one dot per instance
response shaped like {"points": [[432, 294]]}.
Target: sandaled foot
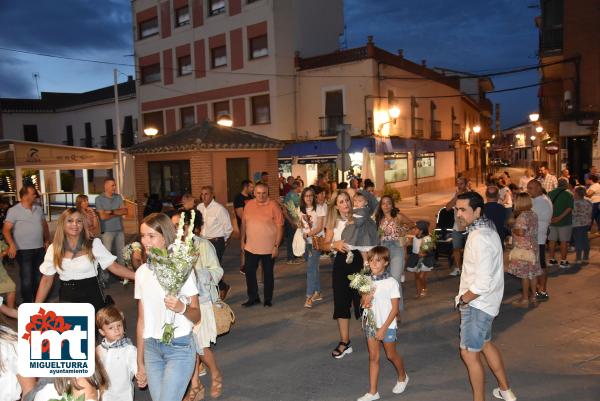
{"points": [[195, 393], [216, 388], [520, 303], [341, 350]]}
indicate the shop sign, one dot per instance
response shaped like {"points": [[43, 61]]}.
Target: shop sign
{"points": [[551, 148]]}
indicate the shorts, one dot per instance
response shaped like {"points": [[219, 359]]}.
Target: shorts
{"points": [[475, 328], [562, 233], [390, 336], [459, 239]]}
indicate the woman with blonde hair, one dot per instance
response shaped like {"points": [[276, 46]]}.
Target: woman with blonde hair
{"points": [[524, 261], [90, 218], [74, 255], [11, 383]]}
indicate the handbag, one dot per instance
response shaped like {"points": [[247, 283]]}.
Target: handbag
{"points": [[318, 242], [108, 300], [298, 243], [224, 316], [522, 254]]}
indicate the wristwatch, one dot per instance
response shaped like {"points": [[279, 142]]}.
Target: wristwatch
{"points": [[461, 301]]}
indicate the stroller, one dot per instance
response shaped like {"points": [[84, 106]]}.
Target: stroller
{"points": [[443, 228]]}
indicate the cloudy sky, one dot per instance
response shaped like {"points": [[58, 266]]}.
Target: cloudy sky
{"points": [[479, 36]]}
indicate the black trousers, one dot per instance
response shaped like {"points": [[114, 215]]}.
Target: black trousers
{"points": [[29, 261], [81, 291], [219, 244], [251, 265], [345, 297]]}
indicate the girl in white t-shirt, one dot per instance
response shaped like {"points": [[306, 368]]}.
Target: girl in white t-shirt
{"points": [[166, 369], [384, 302]]}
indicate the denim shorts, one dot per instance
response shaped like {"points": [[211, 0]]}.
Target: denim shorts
{"points": [[390, 336], [459, 239], [475, 328]]}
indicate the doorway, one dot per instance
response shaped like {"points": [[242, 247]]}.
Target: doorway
{"points": [[579, 150], [237, 171]]}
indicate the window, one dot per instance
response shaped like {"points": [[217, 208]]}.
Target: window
{"points": [[148, 28], [221, 108], [396, 167], [237, 170], [184, 65], [151, 73], [261, 110], [182, 16], [109, 141], [30, 132], [168, 178], [89, 139], [219, 56], [426, 165], [216, 7], [187, 117], [258, 47], [69, 140], [154, 120], [251, 1], [127, 135]]}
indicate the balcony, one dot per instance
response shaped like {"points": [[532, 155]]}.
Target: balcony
{"points": [[329, 125], [417, 131], [107, 142], [551, 40], [436, 129], [455, 132], [86, 142], [486, 106]]}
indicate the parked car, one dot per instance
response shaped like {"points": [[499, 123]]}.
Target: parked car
{"points": [[500, 162]]}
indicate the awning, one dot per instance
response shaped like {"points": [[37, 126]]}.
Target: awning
{"points": [[570, 128], [312, 149]]}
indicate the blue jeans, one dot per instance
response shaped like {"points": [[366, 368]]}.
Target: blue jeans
{"points": [[29, 261], [396, 265], [313, 280], [582, 242], [114, 242], [475, 328], [169, 368]]}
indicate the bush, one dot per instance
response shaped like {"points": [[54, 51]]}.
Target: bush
{"points": [[393, 192]]}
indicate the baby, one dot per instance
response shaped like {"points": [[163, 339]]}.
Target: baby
{"points": [[361, 233]]}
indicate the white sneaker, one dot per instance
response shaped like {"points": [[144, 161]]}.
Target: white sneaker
{"points": [[506, 395], [400, 386], [455, 272], [369, 397]]}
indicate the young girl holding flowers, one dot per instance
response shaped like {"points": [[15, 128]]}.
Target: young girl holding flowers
{"points": [[165, 367], [384, 303]]}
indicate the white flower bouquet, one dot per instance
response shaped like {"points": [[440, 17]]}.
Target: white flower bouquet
{"points": [[363, 283], [429, 243], [128, 252], [172, 268], [292, 211]]}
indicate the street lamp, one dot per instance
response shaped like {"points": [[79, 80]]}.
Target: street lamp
{"points": [[539, 129], [533, 117], [150, 131], [225, 120], [477, 129], [394, 113]]}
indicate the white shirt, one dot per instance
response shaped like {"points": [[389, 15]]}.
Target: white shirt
{"points": [[11, 390], [121, 366], [337, 230], [595, 187], [505, 197], [217, 222], [152, 296], [523, 182], [416, 245], [542, 206], [314, 214], [385, 290], [483, 270], [78, 268]]}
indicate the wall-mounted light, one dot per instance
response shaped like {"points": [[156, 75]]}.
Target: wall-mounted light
{"points": [[533, 117], [150, 131], [225, 120], [477, 129], [539, 129]]}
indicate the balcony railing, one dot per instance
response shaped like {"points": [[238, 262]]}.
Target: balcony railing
{"points": [[436, 129], [455, 132], [329, 125], [418, 128], [107, 142]]}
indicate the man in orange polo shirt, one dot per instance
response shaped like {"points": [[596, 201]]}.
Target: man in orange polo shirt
{"points": [[262, 230]]}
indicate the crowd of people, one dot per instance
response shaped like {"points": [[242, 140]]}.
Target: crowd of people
{"points": [[344, 222]]}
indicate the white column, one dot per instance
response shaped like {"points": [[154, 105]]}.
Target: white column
{"points": [[42, 182], [86, 189], [58, 184], [18, 181]]}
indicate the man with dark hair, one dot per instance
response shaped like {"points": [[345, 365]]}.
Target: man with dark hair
{"points": [[495, 211], [239, 202], [458, 233], [27, 235], [548, 181], [264, 178], [561, 226], [479, 296]]}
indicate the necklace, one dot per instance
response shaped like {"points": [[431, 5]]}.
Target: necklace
{"points": [[77, 249]]}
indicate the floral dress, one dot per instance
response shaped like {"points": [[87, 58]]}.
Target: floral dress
{"points": [[526, 221]]}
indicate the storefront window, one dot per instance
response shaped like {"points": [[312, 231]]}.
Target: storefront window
{"points": [[169, 179], [396, 167], [426, 165]]}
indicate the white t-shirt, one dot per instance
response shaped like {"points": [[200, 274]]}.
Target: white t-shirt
{"points": [[385, 291], [121, 367], [542, 206], [523, 182], [595, 188], [314, 214], [152, 296], [78, 268], [505, 197], [11, 390], [416, 245], [338, 229]]}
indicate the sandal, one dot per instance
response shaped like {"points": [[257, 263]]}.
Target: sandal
{"points": [[338, 353], [308, 303], [520, 303], [195, 393], [216, 388]]}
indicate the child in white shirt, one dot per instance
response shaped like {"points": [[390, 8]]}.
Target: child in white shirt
{"points": [[384, 303], [117, 354]]}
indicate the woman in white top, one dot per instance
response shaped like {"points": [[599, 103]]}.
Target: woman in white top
{"points": [[74, 256], [344, 297], [165, 368], [524, 180], [11, 383], [312, 218]]}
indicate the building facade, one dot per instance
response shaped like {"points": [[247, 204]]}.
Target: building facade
{"points": [[569, 98]]}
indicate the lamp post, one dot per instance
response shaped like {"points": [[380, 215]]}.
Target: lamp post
{"points": [[477, 130]]}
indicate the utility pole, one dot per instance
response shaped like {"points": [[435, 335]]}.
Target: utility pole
{"points": [[118, 134]]}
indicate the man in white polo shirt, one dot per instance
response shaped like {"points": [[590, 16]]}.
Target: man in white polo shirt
{"points": [[480, 295]]}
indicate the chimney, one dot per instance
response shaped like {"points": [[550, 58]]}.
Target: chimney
{"points": [[424, 63], [370, 46], [129, 78], [401, 53]]}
